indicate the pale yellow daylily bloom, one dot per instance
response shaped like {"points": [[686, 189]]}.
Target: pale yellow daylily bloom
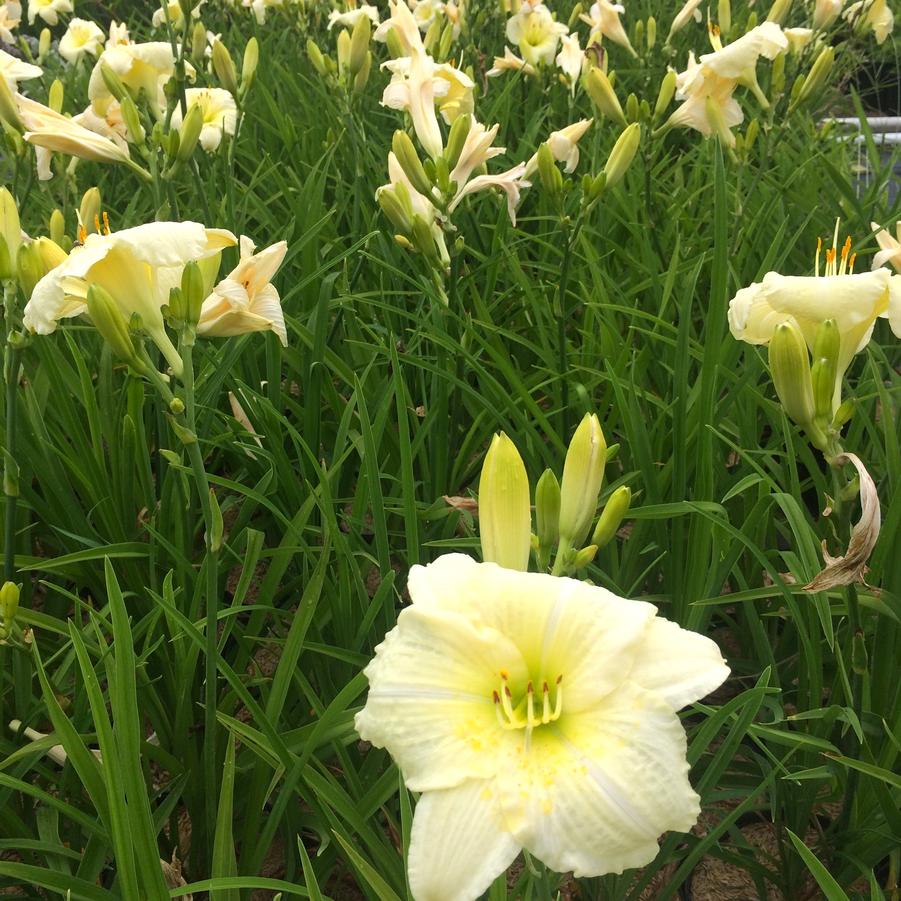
{"points": [[352, 16], [798, 38], [890, 251], [571, 60], [118, 35], [245, 300], [825, 12], [563, 145], [111, 125], [259, 8], [415, 88], [14, 70], [426, 11], [220, 115], [81, 38], [174, 14], [403, 24], [536, 33], [477, 150], [853, 301], [603, 17], [10, 16], [510, 62], [872, 14], [48, 10], [141, 67], [510, 182], [137, 266], [538, 712]]}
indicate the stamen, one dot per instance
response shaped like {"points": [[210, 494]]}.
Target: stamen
{"points": [[545, 704], [106, 228], [82, 234], [846, 251], [531, 722], [851, 264], [96, 223], [558, 702], [830, 261], [506, 697], [817, 265]]}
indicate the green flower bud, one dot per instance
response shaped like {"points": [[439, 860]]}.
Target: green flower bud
{"points": [[49, 253], [665, 94], [249, 64], [751, 134], [422, 238], [547, 515], [359, 44], [394, 45], [574, 16], [343, 50], [89, 209], [724, 16], [621, 156], [823, 377], [29, 267], [505, 518], [652, 32], [779, 11], [109, 321], [409, 161], [581, 559], [843, 414], [362, 77], [601, 92], [790, 369], [224, 68], [718, 122], [113, 83], [316, 57], [816, 78], [10, 231], [9, 604], [56, 96], [432, 35], [456, 138], [583, 474], [395, 204], [44, 41], [549, 174], [611, 517], [777, 78], [446, 42], [753, 19], [9, 111], [57, 226], [189, 133], [192, 291], [632, 111], [198, 40]]}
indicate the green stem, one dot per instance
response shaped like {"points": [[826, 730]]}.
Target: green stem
{"points": [[856, 701], [10, 466]]}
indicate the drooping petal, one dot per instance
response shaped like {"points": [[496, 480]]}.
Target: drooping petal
{"points": [[458, 845], [679, 665], [597, 789]]}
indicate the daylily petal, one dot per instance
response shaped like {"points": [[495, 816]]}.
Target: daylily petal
{"points": [[458, 845]]}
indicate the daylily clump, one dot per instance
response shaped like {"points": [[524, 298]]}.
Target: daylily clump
{"points": [[537, 712]]}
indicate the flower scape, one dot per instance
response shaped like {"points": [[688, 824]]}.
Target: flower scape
{"points": [[450, 450]]}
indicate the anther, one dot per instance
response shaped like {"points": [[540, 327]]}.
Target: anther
{"points": [[96, 223], [106, 228]]}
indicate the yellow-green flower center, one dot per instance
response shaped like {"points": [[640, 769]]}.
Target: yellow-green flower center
{"points": [[528, 709]]}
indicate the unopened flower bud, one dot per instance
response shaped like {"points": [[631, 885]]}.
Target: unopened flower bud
{"points": [[249, 64], [446, 42], [316, 57], [224, 67], [189, 133], [505, 519], [198, 40], [843, 414], [547, 515], [816, 78], [456, 138], [57, 226], [651, 30], [400, 214], [89, 209], [632, 110], [9, 112], [779, 11], [432, 35], [394, 45], [549, 174], [112, 81], [717, 122], [600, 90], [665, 94], [44, 41], [621, 156], [343, 51], [790, 369], [359, 44], [192, 291], [10, 231], [29, 267], [581, 559], [826, 379], [583, 474], [109, 321], [409, 161], [574, 16], [724, 16], [49, 253], [9, 604], [362, 77], [611, 517], [422, 238]]}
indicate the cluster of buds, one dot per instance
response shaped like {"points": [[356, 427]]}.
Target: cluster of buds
{"points": [[354, 56], [565, 510]]}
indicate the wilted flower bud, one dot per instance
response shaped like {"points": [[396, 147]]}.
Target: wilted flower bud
{"points": [[790, 369], [109, 321], [612, 516], [224, 67], [505, 519], [604, 97], [621, 156], [583, 474], [409, 161]]}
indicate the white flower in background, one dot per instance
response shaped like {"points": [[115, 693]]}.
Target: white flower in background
{"points": [[454, 13], [245, 300], [402, 22], [456, 98], [352, 16], [872, 14], [111, 125], [220, 114], [118, 35], [137, 266], [853, 301], [48, 10], [174, 14], [890, 247], [142, 67], [10, 16], [426, 11], [825, 12], [535, 32], [510, 62], [14, 70], [798, 38], [259, 8], [603, 17], [571, 60], [510, 182], [563, 145], [81, 37], [688, 12], [537, 712]]}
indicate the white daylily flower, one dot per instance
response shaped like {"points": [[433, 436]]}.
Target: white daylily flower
{"points": [[571, 60], [142, 67], [477, 150], [825, 12], [118, 35], [13, 70], [798, 38], [563, 145], [220, 115], [48, 10], [259, 8], [535, 712], [872, 14], [81, 37], [403, 23], [352, 16], [510, 61], [890, 247], [415, 88], [426, 11], [603, 17], [111, 125], [10, 16], [854, 301], [510, 182], [689, 11], [246, 301], [536, 33], [137, 266], [173, 13]]}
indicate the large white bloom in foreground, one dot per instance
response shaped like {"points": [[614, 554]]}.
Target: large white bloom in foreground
{"points": [[536, 712]]}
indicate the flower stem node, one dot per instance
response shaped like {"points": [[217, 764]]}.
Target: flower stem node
{"points": [[583, 474], [505, 519], [611, 517]]}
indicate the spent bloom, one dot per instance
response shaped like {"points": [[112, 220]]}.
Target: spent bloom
{"points": [[10, 16], [220, 114], [603, 17], [535, 32], [48, 10], [537, 712], [81, 38], [246, 300]]}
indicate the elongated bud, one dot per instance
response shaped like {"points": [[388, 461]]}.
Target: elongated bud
{"points": [[827, 382], [843, 414], [456, 138], [824, 379], [583, 474], [132, 120], [109, 321], [816, 78], [112, 81], [343, 51], [777, 77], [89, 209], [359, 44], [362, 77], [394, 45], [574, 16], [9, 111], [409, 161], [29, 267], [665, 94], [189, 133], [198, 40], [611, 517], [751, 134], [57, 226], [249, 64], [601, 92], [547, 515], [859, 658], [217, 527], [192, 291], [505, 519], [7, 270], [724, 16], [779, 11], [651, 32], [621, 156], [432, 35], [549, 174], [446, 42], [10, 230], [790, 369], [49, 253], [56, 96], [224, 68], [827, 341], [44, 41], [583, 557], [632, 108], [422, 238], [9, 604], [400, 214], [316, 57]]}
